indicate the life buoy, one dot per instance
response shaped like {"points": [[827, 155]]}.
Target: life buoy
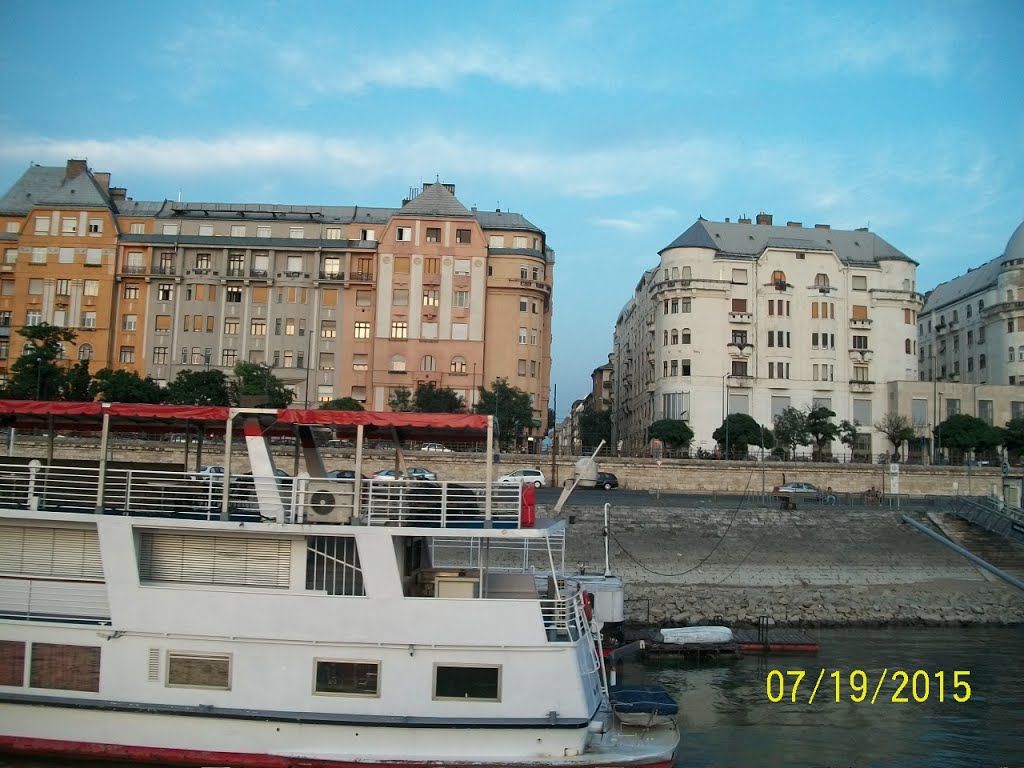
{"points": [[528, 507], [588, 606]]}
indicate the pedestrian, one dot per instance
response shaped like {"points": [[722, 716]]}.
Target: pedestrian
{"points": [[618, 448], [830, 497]]}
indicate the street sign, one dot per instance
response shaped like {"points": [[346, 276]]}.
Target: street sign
{"points": [[894, 484], [894, 469], [1005, 468]]}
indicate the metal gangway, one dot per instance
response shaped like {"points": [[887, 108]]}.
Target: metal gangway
{"points": [[994, 516]]}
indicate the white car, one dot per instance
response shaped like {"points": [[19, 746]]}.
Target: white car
{"points": [[521, 476], [436, 447]]}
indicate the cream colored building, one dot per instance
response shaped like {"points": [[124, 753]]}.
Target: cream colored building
{"points": [[750, 317]]}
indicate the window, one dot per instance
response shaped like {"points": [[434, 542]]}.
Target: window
{"points": [[231, 326], [329, 329], [363, 298], [431, 297], [738, 305], [399, 329], [347, 678], [684, 367], [684, 305], [35, 286], [5, 319], [170, 229], [685, 336], [233, 294], [522, 335], [458, 365], [739, 338], [524, 304], [187, 670], [400, 297], [673, 367], [461, 331], [431, 266], [360, 362], [68, 226], [89, 319], [42, 225], [496, 241], [258, 326], [85, 352], [296, 233], [332, 266], [821, 280], [779, 278], [859, 312], [433, 234], [397, 363], [862, 412], [65, 667], [859, 283], [38, 256], [981, 362], [860, 373], [35, 317], [908, 315], [127, 355], [160, 355], [128, 322], [403, 234], [428, 363], [462, 267], [165, 292], [907, 346], [738, 275], [463, 236], [675, 336], [860, 342], [10, 256], [460, 299], [362, 329]]}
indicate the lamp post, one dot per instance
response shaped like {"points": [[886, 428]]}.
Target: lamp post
{"points": [[725, 410]]}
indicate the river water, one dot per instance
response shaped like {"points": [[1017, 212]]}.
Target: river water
{"points": [[727, 720]]}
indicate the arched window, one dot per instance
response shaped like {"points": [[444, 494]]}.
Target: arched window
{"points": [[778, 276], [85, 352], [27, 347], [906, 346], [62, 352], [458, 365], [665, 342], [675, 273], [1020, 352], [428, 363], [686, 273], [675, 336], [686, 336], [397, 363], [1010, 358], [820, 280]]}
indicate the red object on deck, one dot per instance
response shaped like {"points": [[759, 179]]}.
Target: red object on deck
{"points": [[528, 506]]}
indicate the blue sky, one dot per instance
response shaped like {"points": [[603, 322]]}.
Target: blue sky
{"points": [[610, 125]]}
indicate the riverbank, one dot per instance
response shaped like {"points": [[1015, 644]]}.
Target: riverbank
{"points": [[809, 568]]}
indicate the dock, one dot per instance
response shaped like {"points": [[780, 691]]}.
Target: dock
{"points": [[765, 640]]}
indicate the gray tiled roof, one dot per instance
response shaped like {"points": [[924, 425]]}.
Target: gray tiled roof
{"points": [[959, 288], [435, 200], [504, 220], [41, 185], [858, 246]]}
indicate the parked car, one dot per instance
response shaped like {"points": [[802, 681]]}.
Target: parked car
{"points": [[343, 474], [521, 476], [411, 473], [799, 488], [436, 447], [213, 473], [607, 481]]}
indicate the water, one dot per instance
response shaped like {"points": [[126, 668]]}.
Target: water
{"points": [[727, 721]]}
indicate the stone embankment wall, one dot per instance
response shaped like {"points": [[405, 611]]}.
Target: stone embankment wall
{"points": [[814, 567], [691, 475]]}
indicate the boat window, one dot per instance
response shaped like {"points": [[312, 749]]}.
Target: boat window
{"points": [[191, 670], [332, 566], [250, 561], [58, 552], [467, 683], [12, 662], [348, 678], [65, 667]]}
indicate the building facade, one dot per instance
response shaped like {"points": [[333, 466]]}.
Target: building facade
{"points": [[971, 329], [749, 317], [342, 301]]}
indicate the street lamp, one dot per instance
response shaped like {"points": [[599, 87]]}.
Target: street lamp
{"points": [[725, 410]]}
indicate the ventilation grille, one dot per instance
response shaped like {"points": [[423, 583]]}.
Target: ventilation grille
{"points": [[154, 665]]}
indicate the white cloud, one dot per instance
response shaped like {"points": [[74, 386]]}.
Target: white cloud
{"points": [[639, 220]]}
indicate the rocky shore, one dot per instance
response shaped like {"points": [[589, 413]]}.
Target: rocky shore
{"points": [[808, 568]]}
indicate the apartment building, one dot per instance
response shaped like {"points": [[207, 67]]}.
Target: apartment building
{"points": [[343, 301], [59, 236], [750, 317]]}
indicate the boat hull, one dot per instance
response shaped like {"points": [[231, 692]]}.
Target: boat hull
{"points": [[184, 741]]}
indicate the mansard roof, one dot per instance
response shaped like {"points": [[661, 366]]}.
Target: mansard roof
{"points": [[51, 186]]}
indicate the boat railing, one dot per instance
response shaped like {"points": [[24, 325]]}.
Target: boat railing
{"points": [[564, 618], [199, 495]]}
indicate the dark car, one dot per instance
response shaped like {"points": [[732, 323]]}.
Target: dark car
{"points": [[607, 481]]}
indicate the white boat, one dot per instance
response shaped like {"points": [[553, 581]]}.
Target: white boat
{"points": [[260, 620]]}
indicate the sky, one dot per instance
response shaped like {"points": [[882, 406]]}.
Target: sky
{"points": [[612, 126]]}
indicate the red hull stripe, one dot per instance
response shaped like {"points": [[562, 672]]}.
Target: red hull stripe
{"points": [[196, 757]]}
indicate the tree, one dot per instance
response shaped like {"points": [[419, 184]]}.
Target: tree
{"points": [[511, 407], [430, 398], [35, 375], [964, 433], [821, 429], [674, 433], [551, 420], [342, 404], [77, 383], [1013, 436], [791, 430], [897, 429], [595, 426], [125, 387], [199, 388], [848, 434], [401, 400], [256, 386], [740, 430]]}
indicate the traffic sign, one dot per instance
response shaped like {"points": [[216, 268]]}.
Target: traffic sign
{"points": [[1005, 468], [894, 469]]}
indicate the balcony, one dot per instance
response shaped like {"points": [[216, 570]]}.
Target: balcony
{"points": [[736, 380], [861, 355], [259, 273], [331, 274], [361, 277], [861, 386], [134, 269], [164, 269], [857, 323], [741, 317], [235, 272]]}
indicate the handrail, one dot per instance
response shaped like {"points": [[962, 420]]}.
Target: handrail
{"points": [[1004, 521]]}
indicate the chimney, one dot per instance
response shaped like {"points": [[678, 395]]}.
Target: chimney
{"points": [[823, 226], [742, 220], [796, 224], [76, 168], [726, 219], [103, 179], [764, 218], [117, 194]]}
